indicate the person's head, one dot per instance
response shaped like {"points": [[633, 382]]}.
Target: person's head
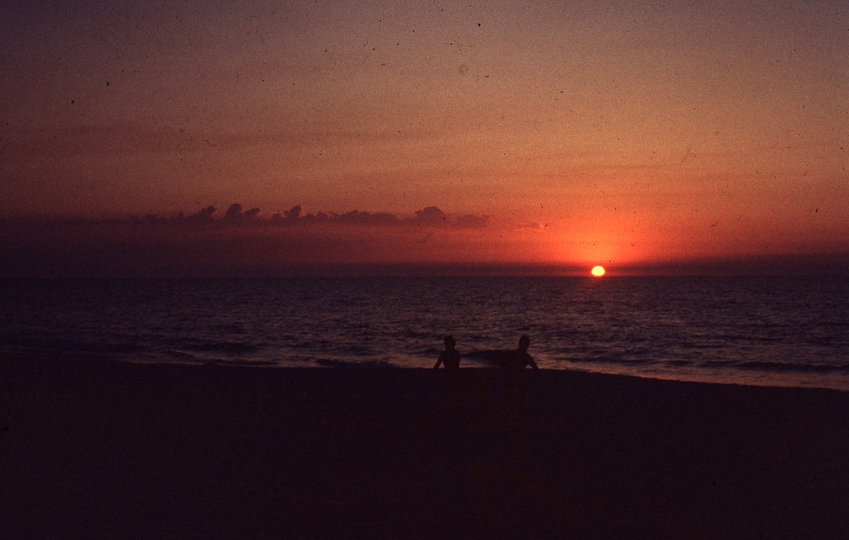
{"points": [[449, 342], [524, 343]]}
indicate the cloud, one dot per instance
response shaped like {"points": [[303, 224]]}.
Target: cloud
{"points": [[429, 217], [470, 222], [432, 216], [204, 216], [365, 218], [234, 215], [234, 243]]}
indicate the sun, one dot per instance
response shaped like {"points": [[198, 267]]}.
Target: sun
{"points": [[598, 271]]}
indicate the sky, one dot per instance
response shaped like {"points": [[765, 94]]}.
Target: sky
{"points": [[626, 133]]}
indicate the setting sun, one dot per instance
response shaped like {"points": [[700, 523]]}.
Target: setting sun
{"points": [[598, 271]]}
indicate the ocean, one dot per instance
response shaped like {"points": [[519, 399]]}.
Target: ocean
{"points": [[773, 331]]}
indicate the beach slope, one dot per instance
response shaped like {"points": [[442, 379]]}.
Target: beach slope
{"points": [[100, 449]]}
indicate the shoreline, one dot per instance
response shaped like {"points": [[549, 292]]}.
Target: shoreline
{"points": [[115, 449], [789, 379]]}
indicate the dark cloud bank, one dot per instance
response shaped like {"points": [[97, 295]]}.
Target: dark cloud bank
{"points": [[235, 215], [240, 243]]}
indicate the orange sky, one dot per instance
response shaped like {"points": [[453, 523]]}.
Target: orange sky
{"points": [[625, 133]]}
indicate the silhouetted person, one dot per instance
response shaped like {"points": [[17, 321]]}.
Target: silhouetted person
{"points": [[450, 357], [514, 364]]}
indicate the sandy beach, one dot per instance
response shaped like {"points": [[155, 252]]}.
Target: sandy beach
{"points": [[101, 449]]}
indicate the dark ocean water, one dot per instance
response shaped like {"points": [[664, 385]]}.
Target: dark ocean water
{"points": [[749, 330]]}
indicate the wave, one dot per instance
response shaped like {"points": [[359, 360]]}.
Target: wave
{"points": [[491, 357], [350, 364], [61, 345], [781, 367], [230, 348]]}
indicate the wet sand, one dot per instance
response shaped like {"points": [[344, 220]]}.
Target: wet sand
{"points": [[100, 449]]}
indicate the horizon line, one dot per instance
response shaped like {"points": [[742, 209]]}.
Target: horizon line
{"points": [[833, 265]]}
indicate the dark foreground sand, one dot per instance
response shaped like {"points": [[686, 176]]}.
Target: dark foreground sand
{"points": [[92, 449]]}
